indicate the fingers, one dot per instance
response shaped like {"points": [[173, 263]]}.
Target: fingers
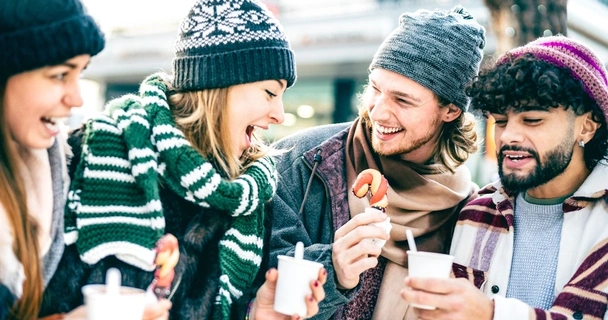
{"points": [[352, 248], [418, 297], [312, 306], [445, 294], [272, 275], [354, 269], [157, 311], [433, 285], [265, 294], [428, 314], [359, 220], [453, 299], [444, 303], [318, 293], [357, 235], [362, 250], [422, 298], [357, 251], [322, 276], [347, 274], [351, 256]]}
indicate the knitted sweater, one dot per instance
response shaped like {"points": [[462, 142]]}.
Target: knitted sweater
{"points": [[532, 277], [196, 283], [114, 206], [197, 280], [483, 251]]}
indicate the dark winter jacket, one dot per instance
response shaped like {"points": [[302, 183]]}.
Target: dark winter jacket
{"points": [[325, 209], [7, 299]]}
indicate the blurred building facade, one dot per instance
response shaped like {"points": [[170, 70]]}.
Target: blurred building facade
{"points": [[334, 42]]}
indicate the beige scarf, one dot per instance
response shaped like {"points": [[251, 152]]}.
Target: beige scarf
{"points": [[424, 198]]}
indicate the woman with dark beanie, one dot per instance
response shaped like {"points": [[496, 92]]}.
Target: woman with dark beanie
{"points": [[44, 47]]}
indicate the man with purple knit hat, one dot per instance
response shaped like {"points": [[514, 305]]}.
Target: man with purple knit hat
{"points": [[535, 242]]}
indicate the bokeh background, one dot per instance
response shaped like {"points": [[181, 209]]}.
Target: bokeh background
{"points": [[334, 42]]}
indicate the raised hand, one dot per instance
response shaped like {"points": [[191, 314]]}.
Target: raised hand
{"points": [[157, 311], [455, 299], [263, 305], [350, 255]]}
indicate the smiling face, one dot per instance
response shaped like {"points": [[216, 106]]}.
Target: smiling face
{"points": [[35, 101], [253, 106], [534, 146], [406, 117]]}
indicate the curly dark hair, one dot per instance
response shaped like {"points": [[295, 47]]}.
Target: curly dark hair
{"points": [[526, 82]]}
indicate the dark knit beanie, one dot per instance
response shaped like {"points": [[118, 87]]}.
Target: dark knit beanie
{"points": [[223, 43], [39, 33], [440, 50]]}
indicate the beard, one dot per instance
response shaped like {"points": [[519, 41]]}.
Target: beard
{"points": [[554, 164], [402, 149], [405, 146]]}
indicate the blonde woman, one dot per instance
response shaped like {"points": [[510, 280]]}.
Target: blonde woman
{"points": [[182, 157]]}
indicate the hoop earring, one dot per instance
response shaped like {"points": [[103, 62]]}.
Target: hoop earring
{"points": [[581, 143]]}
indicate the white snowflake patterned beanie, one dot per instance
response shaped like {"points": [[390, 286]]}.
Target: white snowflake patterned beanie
{"points": [[228, 42]]}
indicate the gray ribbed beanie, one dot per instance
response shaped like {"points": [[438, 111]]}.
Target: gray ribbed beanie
{"points": [[440, 50], [223, 43]]}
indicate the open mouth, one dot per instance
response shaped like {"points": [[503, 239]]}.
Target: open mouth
{"points": [[517, 158], [51, 123], [249, 132], [387, 130]]}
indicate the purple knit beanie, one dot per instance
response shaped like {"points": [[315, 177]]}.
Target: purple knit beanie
{"points": [[580, 60]]}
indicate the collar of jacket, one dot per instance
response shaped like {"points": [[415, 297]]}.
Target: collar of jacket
{"points": [[330, 148]]}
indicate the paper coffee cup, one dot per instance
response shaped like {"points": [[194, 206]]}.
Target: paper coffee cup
{"points": [[293, 284], [128, 305], [428, 265]]}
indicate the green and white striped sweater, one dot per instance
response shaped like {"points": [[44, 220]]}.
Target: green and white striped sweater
{"points": [[114, 206]]}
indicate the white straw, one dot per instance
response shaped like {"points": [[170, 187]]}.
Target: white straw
{"points": [[410, 240], [299, 254], [113, 281]]}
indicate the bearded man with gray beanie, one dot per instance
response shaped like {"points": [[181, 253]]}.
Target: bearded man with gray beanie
{"points": [[414, 129]]}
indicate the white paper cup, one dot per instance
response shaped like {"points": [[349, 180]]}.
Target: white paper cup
{"points": [[428, 265], [128, 305], [293, 285]]}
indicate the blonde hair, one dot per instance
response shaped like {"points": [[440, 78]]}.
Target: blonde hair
{"points": [[13, 200], [457, 141], [203, 118]]}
